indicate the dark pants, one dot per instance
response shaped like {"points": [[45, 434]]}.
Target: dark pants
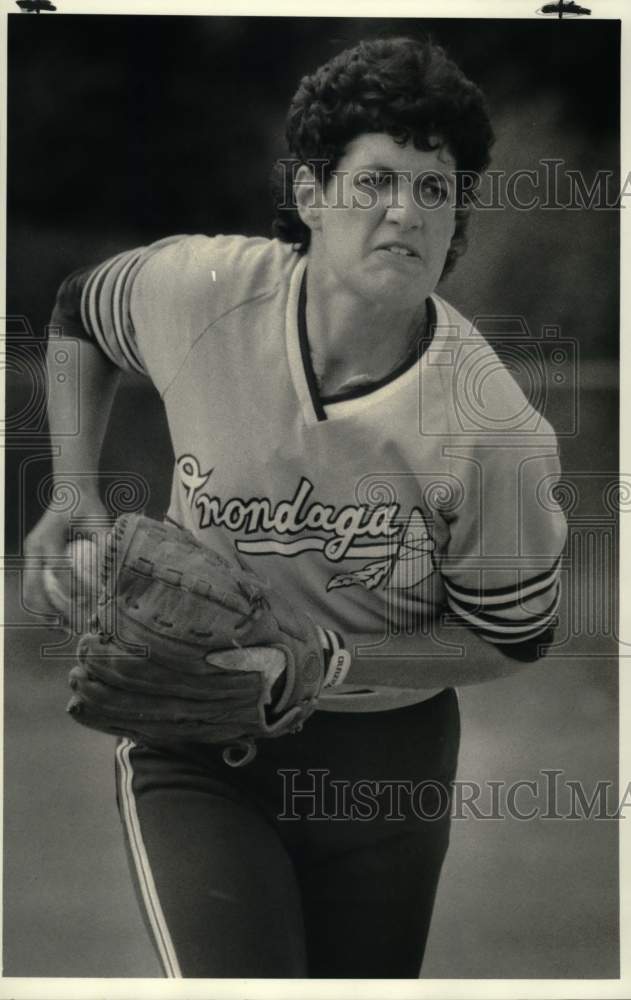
{"points": [[320, 858]]}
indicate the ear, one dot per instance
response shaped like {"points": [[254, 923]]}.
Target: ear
{"points": [[308, 197]]}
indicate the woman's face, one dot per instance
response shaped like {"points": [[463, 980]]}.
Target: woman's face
{"points": [[386, 220]]}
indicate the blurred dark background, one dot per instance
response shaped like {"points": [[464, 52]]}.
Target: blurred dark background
{"points": [[126, 129]]}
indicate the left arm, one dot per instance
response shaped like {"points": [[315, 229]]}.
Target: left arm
{"points": [[502, 579], [451, 655]]}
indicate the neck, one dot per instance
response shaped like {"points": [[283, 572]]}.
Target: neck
{"points": [[354, 340]]}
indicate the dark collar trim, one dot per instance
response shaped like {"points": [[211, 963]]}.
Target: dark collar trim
{"points": [[413, 357], [312, 382], [318, 401]]}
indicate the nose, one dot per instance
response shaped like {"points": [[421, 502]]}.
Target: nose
{"points": [[402, 208]]}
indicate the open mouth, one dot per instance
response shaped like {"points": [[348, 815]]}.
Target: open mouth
{"points": [[398, 250]]}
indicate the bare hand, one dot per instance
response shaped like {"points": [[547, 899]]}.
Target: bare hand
{"points": [[46, 544]]}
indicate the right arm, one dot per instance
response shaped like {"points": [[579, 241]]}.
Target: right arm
{"points": [[85, 400], [136, 311]]}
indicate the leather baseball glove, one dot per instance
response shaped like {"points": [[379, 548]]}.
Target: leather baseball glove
{"points": [[188, 646]]}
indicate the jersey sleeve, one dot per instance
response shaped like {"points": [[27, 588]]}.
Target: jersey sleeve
{"points": [[145, 308], [502, 567], [118, 303]]}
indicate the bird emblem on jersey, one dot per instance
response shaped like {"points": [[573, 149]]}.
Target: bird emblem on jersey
{"points": [[410, 564]]}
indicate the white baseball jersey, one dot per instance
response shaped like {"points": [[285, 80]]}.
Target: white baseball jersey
{"points": [[375, 509]]}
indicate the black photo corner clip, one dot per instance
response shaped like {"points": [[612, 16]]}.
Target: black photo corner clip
{"points": [[564, 8], [35, 6]]}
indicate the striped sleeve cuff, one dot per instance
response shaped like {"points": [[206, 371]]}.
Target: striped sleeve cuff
{"points": [[507, 614], [337, 659], [105, 310]]}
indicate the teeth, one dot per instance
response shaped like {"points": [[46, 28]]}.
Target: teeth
{"points": [[401, 251]]}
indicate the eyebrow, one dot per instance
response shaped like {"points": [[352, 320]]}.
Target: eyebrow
{"points": [[381, 166], [396, 170]]}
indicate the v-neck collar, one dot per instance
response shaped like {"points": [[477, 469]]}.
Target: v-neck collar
{"points": [[315, 405]]}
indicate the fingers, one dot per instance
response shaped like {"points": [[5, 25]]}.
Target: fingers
{"points": [[57, 575], [43, 545], [35, 592]]}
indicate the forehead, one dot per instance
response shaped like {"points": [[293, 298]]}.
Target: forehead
{"points": [[380, 149]]}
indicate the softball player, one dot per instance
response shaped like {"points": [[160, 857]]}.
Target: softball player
{"points": [[316, 393]]}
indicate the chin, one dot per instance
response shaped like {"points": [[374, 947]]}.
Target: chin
{"points": [[404, 293]]}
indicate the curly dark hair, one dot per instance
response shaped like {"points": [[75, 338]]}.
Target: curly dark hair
{"points": [[407, 88]]}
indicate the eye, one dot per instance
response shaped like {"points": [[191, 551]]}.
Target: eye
{"points": [[434, 189]]}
